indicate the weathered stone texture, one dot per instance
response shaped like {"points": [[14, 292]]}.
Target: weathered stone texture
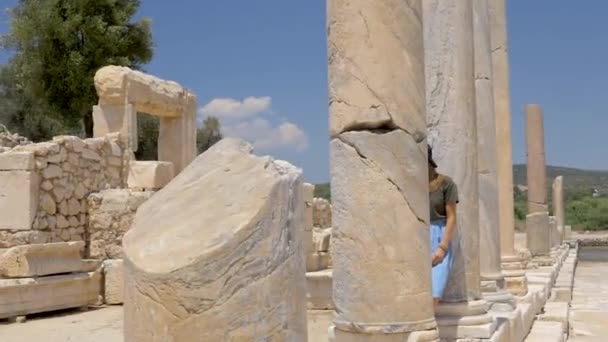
{"points": [[502, 105], [26, 296], [558, 204], [379, 187], [379, 173], [41, 259], [18, 199], [149, 175], [448, 44], [321, 213], [111, 214], [217, 255], [117, 85], [376, 73], [487, 152], [536, 167], [113, 275], [66, 170], [537, 233]]}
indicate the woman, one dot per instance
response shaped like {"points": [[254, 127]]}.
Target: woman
{"points": [[443, 196]]}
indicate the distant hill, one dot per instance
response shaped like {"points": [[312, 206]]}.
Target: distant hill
{"points": [[575, 180]]}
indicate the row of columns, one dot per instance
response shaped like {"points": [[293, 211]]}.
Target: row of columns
{"points": [[396, 83]]}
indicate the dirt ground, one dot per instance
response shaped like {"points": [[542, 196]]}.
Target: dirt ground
{"points": [[96, 325], [105, 325]]}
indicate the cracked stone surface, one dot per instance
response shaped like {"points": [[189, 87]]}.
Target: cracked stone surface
{"points": [[379, 172], [376, 75], [223, 266], [378, 241]]}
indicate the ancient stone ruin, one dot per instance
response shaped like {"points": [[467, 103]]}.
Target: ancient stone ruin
{"points": [[230, 246]]}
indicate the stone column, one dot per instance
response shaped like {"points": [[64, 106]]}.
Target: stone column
{"points": [[177, 137], [449, 70], [379, 172], [537, 227], [492, 279], [512, 265], [558, 205]]}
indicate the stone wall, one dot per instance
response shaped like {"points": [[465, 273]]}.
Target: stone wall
{"points": [[45, 185], [111, 213]]}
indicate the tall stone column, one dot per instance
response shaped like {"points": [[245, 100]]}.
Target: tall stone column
{"points": [[537, 221], [449, 70], [492, 279], [558, 205], [379, 172], [512, 265]]}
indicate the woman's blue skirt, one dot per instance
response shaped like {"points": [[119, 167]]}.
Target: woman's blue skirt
{"points": [[441, 271]]}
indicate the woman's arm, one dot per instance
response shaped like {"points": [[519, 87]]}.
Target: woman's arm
{"points": [[450, 210]]}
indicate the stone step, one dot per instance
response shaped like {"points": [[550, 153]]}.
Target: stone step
{"points": [[19, 297], [41, 259], [319, 290], [556, 312], [546, 332]]}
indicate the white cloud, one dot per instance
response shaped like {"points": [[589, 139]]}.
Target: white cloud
{"points": [[231, 109], [264, 136], [243, 119]]}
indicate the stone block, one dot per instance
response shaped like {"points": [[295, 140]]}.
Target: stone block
{"points": [[91, 265], [561, 294], [537, 233], [515, 323], [18, 199], [319, 290], [556, 312], [528, 315], [113, 272], [321, 239], [149, 174], [19, 160], [545, 332], [177, 140], [26, 296], [205, 265], [41, 259], [116, 118]]}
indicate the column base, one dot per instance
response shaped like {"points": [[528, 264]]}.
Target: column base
{"points": [[337, 335], [465, 320], [513, 270], [493, 291]]}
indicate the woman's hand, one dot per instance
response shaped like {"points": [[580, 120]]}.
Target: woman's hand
{"points": [[438, 256]]}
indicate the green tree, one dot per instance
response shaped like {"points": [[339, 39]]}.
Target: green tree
{"points": [[147, 137], [57, 47], [323, 190], [209, 134]]}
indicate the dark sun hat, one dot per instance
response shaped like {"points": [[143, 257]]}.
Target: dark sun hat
{"points": [[431, 161]]}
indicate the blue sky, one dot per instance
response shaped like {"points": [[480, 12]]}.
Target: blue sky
{"points": [[261, 66]]}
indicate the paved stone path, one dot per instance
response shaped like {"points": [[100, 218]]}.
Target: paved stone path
{"points": [[589, 307]]}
